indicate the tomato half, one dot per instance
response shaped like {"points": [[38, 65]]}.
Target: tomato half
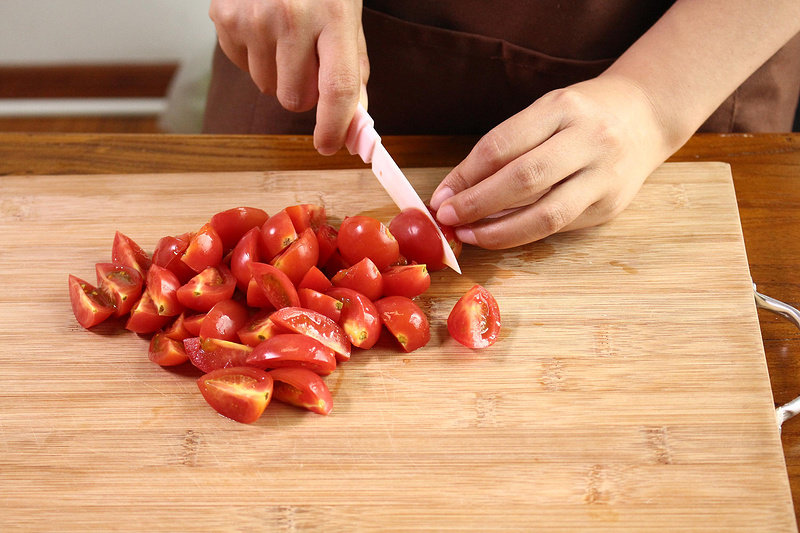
{"points": [[405, 320], [89, 305], [244, 254], [122, 284], [293, 349], [359, 318], [163, 285], [224, 320], [298, 257], [239, 393], [315, 325], [124, 251], [165, 351], [276, 234], [302, 388], [475, 319], [276, 285], [144, 316], [406, 280], [204, 250], [211, 354], [363, 277], [212, 285], [232, 224], [418, 238], [362, 236]]}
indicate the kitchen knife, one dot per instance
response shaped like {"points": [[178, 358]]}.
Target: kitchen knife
{"points": [[362, 139]]}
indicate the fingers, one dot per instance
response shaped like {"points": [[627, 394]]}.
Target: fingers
{"points": [[297, 67]]}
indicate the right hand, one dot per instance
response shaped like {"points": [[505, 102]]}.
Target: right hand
{"points": [[306, 52]]}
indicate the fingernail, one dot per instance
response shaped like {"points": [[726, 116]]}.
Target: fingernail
{"points": [[465, 235], [439, 196], [447, 215]]}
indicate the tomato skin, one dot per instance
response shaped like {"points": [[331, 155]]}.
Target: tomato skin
{"points": [[405, 320], [406, 280], [239, 393], [224, 320], [246, 251], [418, 238], [277, 233], [212, 285], [321, 303], [316, 280], [165, 351], [276, 285], [305, 216], [301, 388], [475, 319], [449, 235], [177, 329], [315, 325], [258, 329], [89, 305], [327, 238], [359, 320], [144, 317], [193, 324], [163, 287], [124, 251], [298, 257], [232, 224], [362, 236], [293, 349], [168, 253], [211, 354], [363, 277], [204, 250], [121, 284], [256, 297]]}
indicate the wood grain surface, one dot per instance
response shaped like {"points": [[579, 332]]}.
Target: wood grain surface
{"points": [[629, 388]]}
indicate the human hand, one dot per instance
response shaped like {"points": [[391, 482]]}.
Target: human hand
{"points": [[574, 158], [306, 52]]}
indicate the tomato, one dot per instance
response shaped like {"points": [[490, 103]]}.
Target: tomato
{"points": [[362, 277], [475, 319], [245, 253], [321, 303], [204, 250], [302, 388], [276, 285], [359, 319], [89, 305], [335, 264], [212, 285], [449, 235], [316, 280], [327, 238], [166, 351], [211, 354], [193, 324], [362, 236], [405, 320], [406, 280], [276, 234], [293, 349], [239, 393], [255, 297], [232, 224], [315, 325], [298, 257], [306, 216], [177, 329], [224, 320], [168, 254], [418, 238], [144, 316], [258, 329], [124, 251], [163, 287], [121, 284]]}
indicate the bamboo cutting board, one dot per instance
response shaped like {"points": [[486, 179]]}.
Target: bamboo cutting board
{"points": [[628, 389]]}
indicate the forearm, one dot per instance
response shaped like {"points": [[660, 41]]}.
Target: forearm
{"points": [[699, 52]]}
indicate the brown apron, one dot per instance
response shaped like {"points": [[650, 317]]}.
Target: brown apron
{"points": [[464, 66]]}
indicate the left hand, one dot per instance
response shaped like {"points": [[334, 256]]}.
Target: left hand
{"points": [[574, 158]]}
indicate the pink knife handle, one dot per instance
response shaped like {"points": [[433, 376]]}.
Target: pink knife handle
{"points": [[361, 135]]}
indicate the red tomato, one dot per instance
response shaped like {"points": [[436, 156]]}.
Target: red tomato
{"points": [[168, 254], [166, 351], [406, 280], [144, 316], [363, 277], [89, 305], [211, 354], [276, 285], [276, 234], [177, 330], [418, 238], [306, 216], [232, 224], [163, 287], [204, 250], [363, 236], [293, 349], [212, 285], [315, 279], [327, 238], [259, 329], [315, 325], [124, 251], [475, 319], [449, 235], [359, 319], [405, 320], [298, 257], [335, 264], [193, 324], [224, 320], [256, 297], [302, 388], [240, 394], [321, 303], [245, 253], [122, 284]]}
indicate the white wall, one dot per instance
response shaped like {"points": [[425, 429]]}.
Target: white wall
{"points": [[85, 31]]}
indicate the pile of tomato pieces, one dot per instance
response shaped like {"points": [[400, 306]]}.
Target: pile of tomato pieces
{"points": [[266, 306]]}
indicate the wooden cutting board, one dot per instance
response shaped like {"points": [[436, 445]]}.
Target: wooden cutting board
{"points": [[628, 389]]}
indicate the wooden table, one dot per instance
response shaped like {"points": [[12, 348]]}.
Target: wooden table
{"points": [[766, 172]]}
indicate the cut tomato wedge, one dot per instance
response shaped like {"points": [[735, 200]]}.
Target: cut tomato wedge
{"points": [[405, 320], [475, 319], [232, 224], [89, 305], [275, 285], [166, 351], [122, 284], [359, 318], [239, 393], [315, 325], [211, 354], [212, 285], [293, 349], [302, 388]]}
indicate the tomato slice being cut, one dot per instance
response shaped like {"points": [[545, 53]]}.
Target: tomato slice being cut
{"points": [[359, 318], [475, 319], [239, 393], [405, 320], [89, 305], [211, 354], [315, 325], [166, 351], [293, 349], [212, 285], [302, 388], [122, 284]]}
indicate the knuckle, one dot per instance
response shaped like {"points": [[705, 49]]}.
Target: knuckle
{"points": [[341, 87], [491, 148], [554, 217], [530, 174], [570, 100]]}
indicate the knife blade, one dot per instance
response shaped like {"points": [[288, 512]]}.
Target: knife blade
{"points": [[362, 139]]}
